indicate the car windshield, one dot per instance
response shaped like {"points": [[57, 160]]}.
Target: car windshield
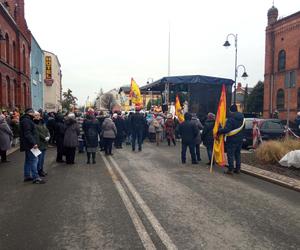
{"points": [[272, 125]]}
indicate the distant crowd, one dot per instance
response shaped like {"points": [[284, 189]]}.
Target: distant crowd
{"points": [[93, 131]]}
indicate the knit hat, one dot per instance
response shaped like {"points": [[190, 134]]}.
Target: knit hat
{"points": [[29, 111], [233, 108], [211, 116]]}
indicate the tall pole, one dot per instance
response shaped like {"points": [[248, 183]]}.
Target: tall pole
{"points": [[235, 69], [169, 51]]}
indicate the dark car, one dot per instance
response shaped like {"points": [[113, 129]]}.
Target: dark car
{"points": [[270, 129]]}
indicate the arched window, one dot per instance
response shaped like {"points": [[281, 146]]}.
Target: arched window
{"points": [[7, 47], [1, 86], [281, 60], [24, 59], [8, 92], [14, 54], [15, 93], [25, 95], [280, 99]]}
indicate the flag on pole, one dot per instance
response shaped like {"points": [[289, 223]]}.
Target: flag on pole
{"points": [[135, 93], [219, 152], [178, 110]]}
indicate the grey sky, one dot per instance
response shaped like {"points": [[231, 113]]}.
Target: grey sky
{"points": [[104, 43]]}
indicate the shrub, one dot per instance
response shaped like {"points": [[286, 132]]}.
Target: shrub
{"points": [[271, 152]]}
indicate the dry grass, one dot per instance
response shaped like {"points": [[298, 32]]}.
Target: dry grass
{"points": [[270, 152]]}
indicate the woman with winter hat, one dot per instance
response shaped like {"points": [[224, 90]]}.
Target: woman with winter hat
{"points": [[6, 137], [72, 132], [91, 128], [207, 135], [170, 129], [109, 133]]}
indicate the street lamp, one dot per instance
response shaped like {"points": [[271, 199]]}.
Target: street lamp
{"points": [[245, 75]]}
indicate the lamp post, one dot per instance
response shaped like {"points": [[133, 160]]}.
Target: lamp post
{"points": [[245, 75]]}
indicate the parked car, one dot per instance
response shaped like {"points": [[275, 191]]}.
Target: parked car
{"points": [[270, 129]]}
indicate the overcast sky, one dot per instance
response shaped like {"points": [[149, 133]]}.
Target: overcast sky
{"points": [[103, 43]]}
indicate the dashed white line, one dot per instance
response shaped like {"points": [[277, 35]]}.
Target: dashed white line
{"points": [[150, 216], [140, 228]]}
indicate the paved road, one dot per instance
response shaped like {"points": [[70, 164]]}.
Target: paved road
{"points": [[144, 200]]}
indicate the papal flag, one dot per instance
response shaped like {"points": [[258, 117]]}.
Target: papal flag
{"points": [[135, 93], [178, 110], [219, 152]]}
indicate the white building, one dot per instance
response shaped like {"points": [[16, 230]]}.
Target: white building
{"points": [[53, 82]]}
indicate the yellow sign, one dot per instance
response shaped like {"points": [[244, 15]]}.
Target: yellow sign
{"points": [[48, 63]]}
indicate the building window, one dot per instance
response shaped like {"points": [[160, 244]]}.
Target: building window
{"points": [[8, 92], [25, 95], [1, 86], [299, 59], [7, 47], [14, 54], [24, 59], [16, 92], [298, 99], [281, 60], [280, 99]]}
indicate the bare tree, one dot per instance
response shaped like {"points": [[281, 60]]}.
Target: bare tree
{"points": [[108, 101]]}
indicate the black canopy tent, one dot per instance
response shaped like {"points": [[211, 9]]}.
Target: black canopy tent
{"points": [[201, 92]]}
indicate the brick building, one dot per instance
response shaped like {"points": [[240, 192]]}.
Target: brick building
{"points": [[282, 65], [15, 46]]}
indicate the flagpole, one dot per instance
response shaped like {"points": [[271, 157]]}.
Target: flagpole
{"points": [[212, 159]]}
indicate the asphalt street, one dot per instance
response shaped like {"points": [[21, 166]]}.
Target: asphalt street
{"points": [[143, 200]]}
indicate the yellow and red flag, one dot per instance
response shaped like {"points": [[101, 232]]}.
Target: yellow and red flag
{"points": [[135, 93], [219, 152], [178, 110]]}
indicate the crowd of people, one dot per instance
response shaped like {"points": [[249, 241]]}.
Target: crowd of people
{"points": [[92, 130]]}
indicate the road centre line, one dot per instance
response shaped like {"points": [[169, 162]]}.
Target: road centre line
{"points": [[150, 216], [140, 228]]}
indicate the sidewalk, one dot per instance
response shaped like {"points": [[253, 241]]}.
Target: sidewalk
{"points": [[12, 150], [272, 177]]}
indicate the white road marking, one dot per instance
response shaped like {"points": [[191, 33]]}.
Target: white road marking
{"points": [[144, 236], [152, 219]]}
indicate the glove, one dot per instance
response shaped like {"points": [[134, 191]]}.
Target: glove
{"points": [[47, 138]]}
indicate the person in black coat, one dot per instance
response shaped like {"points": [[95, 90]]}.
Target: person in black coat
{"points": [[188, 132], [121, 128], [233, 143], [28, 142], [91, 129], [207, 135], [51, 127], [101, 119], [137, 126], [59, 136]]}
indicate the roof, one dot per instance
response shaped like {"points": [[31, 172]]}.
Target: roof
{"points": [[191, 79]]}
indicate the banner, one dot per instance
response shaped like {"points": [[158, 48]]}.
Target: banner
{"points": [[219, 150]]}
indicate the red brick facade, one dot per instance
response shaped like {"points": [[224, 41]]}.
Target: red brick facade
{"points": [[282, 58], [14, 56]]}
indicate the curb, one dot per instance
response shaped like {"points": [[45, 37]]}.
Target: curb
{"points": [[278, 179], [12, 150]]}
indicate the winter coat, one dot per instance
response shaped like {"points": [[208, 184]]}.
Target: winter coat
{"points": [[41, 135], [109, 129], [234, 121], [170, 128], [188, 132], [72, 132], [27, 133], [91, 129], [207, 133], [59, 129], [6, 135], [199, 126], [158, 123], [137, 122], [121, 128]]}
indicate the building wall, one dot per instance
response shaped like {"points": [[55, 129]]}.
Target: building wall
{"points": [[53, 87], [282, 34], [14, 57], [37, 72]]}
